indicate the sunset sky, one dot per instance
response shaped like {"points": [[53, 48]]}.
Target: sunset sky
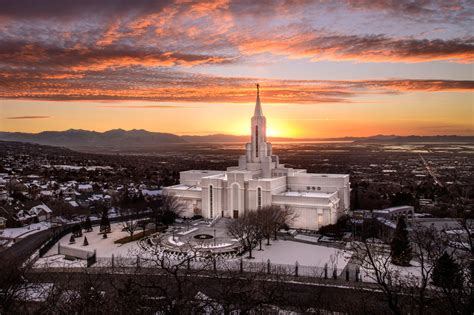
{"points": [[326, 68]]}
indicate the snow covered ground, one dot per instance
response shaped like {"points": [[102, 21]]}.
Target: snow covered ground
{"points": [[288, 252], [411, 273], [21, 232], [104, 247], [279, 252]]}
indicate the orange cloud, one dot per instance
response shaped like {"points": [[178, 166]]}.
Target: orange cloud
{"points": [[369, 48], [138, 83]]}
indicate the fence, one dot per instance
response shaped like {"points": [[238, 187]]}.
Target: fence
{"points": [[236, 265]]}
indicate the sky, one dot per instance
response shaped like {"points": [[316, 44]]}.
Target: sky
{"points": [[326, 68]]}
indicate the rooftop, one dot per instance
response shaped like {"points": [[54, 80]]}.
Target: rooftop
{"points": [[307, 194], [185, 187]]}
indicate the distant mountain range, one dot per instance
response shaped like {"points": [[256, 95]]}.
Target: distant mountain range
{"points": [[136, 139]]}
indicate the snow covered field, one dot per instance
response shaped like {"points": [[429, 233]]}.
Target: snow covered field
{"points": [[288, 252], [410, 273], [104, 247], [279, 252]]}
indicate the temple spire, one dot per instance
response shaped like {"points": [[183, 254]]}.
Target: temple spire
{"points": [[258, 107]]}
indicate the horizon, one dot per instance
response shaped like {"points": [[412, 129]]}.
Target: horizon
{"points": [[324, 71], [239, 135]]}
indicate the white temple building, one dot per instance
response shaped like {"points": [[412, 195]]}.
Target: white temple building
{"points": [[260, 180]]}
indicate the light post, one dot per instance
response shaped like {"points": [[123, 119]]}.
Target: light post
{"points": [[214, 237]]}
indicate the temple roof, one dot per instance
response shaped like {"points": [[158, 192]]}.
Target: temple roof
{"points": [[258, 106]]}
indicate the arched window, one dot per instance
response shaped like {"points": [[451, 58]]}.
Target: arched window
{"points": [[211, 200], [256, 140], [259, 197]]}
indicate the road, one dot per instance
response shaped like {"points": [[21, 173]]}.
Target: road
{"points": [[23, 249], [430, 171]]}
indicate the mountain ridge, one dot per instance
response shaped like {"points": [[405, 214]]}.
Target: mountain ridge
{"points": [[140, 138]]}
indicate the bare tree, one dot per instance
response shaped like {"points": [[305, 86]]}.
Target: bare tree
{"points": [[246, 229], [130, 226], [412, 291], [166, 209], [12, 281]]}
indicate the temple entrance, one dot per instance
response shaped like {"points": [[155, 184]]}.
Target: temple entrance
{"points": [[236, 214]]}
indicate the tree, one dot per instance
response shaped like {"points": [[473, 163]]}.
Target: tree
{"points": [[12, 281], [171, 208], [72, 240], [77, 230], [400, 246], [86, 242], [447, 273], [104, 223], [165, 209], [246, 230], [130, 226], [335, 230], [87, 224]]}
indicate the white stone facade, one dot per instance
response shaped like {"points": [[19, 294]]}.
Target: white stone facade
{"points": [[260, 180]]}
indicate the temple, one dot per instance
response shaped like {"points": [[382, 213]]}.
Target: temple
{"points": [[260, 180]]}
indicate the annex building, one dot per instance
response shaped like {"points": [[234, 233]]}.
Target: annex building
{"points": [[260, 180]]}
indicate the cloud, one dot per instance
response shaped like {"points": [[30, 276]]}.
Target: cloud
{"points": [[116, 33], [22, 54], [63, 9], [29, 117], [366, 48], [160, 85]]}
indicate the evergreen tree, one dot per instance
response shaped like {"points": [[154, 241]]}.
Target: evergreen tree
{"points": [[77, 230], [104, 223], [85, 241], [72, 240], [88, 225], [400, 246], [447, 273]]}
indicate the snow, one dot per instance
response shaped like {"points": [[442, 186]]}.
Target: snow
{"points": [[21, 232], [408, 273], [188, 231], [84, 187], [76, 168], [37, 209], [34, 292], [288, 252], [171, 240], [74, 203], [58, 261], [104, 247], [218, 245]]}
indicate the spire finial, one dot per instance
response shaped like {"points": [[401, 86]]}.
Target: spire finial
{"points": [[258, 106]]}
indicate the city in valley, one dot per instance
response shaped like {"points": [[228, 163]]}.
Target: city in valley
{"points": [[102, 222], [236, 157]]}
